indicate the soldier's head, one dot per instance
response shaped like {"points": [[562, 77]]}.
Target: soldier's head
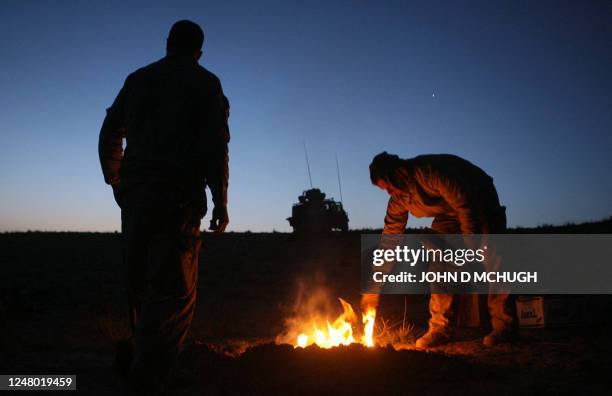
{"points": [[185, 39], [383, 171]]}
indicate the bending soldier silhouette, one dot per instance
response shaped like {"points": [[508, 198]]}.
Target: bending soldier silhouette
{"points": [[173, 115], [462, 199]]}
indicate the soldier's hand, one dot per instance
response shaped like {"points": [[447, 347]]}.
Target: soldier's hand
{"points": [[116, 194], [220, 219]]}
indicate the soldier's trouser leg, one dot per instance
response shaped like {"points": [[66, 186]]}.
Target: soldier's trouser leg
{"points": [[440, 304], [497, 299], [440, 309], [494, 222], [162, 250]]}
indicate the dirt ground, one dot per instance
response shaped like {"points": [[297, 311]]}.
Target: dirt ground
{"points": [[62, 310]]}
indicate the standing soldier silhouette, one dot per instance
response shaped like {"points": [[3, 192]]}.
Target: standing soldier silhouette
{"points": [[462, 199], [173, 115]]}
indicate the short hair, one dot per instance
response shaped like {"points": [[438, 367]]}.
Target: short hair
{"points": [[383, 167], [185, 37]]}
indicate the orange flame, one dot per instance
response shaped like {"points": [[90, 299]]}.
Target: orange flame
{"points": [[368, 329], [340, 331]]}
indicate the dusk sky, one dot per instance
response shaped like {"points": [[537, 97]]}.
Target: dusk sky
{"points": [[522, 89]]}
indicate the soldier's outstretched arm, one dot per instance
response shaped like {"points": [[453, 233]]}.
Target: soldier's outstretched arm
{"points": [[397, 215], [395, 226]]}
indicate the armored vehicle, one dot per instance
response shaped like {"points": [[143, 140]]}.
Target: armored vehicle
{"points": [[313, 213]]}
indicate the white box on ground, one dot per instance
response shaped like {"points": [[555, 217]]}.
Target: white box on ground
{"points": [[553, 311], [530, 311]]}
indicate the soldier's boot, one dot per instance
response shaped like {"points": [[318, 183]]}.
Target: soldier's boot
{"points": [[439, 324], [496, 337], [431, 339]]}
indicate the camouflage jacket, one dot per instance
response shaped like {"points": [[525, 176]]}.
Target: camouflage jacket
{"points": [[438, 184], [173, 115]]}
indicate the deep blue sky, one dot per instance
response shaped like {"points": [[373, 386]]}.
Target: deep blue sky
{"points": [[519, 88]]}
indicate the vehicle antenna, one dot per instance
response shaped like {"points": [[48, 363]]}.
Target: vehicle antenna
{"points": [[339, 182], [307, 163]]}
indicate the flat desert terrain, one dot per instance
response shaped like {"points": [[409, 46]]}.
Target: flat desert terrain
{"points": [[63, 309]]}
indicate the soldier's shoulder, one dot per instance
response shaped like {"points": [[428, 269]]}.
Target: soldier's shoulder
{"points": [[446, 163], [428, 163], [208, 76], [144, 71]]}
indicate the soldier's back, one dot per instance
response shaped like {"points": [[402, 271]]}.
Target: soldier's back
{"points": [[167, 108]]}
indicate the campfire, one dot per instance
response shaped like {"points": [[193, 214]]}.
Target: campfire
{"points": [[340, 331], [316, 319]]}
